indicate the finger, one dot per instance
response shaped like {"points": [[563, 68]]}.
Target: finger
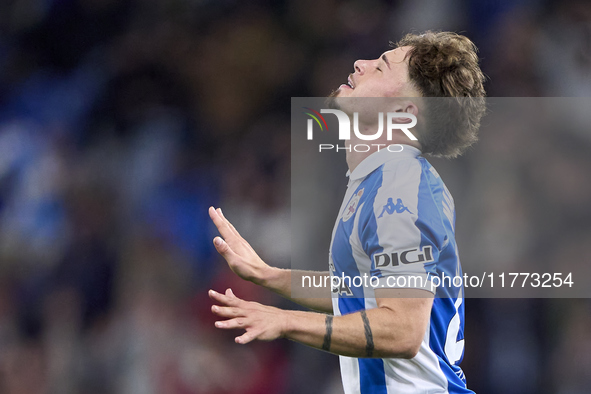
{"points": [[229, 230], [216, 218], [225, 311], [228, 223], [221, 224], [231, 226], [245, 338], [223, 299], [219, 211], [231, 296], [223, 248], [225, 221], [231, 324], [230, 293], [214, 295]]}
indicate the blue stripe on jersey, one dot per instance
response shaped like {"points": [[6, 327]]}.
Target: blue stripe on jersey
{"points": [[371, 371], [372, 376], [369, 218], [436, 231], [433, 231], [443, 309]]}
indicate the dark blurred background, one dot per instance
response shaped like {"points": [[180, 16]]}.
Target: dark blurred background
{"points": [[122, 121]]}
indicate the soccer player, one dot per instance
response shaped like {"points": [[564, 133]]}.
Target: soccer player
{"points": [[396, 224]]}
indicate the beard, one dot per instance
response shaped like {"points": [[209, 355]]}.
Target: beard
{"points": [[331, 101]]}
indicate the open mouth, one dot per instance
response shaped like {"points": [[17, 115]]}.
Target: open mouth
{"points": [[350, 82], [349, 85]]}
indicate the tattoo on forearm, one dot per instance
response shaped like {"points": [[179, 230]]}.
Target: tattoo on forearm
{"points": [[328, 335], [368, 335]]}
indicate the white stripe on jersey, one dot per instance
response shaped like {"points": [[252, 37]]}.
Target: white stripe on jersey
{"points": [[350, 368]]}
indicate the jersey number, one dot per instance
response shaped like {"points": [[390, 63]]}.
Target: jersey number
{"points": [[454, 348]]}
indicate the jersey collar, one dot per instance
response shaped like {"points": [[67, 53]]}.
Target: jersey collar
{"points": [[376, 159]]}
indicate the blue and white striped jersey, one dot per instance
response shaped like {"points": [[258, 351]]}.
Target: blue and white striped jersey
{"points": [[396, 224]]}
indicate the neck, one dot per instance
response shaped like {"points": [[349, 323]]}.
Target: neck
{"points": [[354, 158]]}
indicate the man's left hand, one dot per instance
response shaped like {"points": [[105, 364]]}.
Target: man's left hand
{"points": [[261, 322]]}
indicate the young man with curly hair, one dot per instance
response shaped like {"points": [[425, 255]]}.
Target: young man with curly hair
{"points": [[402, 334]]}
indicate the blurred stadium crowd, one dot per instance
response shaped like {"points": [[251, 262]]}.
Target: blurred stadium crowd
{"points": [[122, 121]]}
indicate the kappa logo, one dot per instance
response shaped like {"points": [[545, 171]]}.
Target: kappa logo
{"points": [[409, 256], [352, 206], [390, 207]]}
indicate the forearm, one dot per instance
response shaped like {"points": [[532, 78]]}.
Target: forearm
{"points": [[380, 333], [283, 282]]}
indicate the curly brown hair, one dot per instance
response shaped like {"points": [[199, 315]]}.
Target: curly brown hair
{"points": [[445, 64]]}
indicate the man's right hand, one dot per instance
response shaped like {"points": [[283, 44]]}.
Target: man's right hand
{"points": [[241, 257], [247, 264]]}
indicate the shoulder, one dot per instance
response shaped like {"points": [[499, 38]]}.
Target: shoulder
{"points": [[395, 173], [401, 178], [395, 184], [410, 183], [403, 171]]}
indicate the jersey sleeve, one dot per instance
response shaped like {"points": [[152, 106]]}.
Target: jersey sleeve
{"points": [[403, 232]]}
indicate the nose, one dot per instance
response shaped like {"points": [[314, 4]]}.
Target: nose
{"points": [[360, 66]]}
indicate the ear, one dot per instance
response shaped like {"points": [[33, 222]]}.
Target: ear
{"points": [[409, 108]]}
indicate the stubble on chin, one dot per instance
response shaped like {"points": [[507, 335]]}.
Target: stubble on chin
{"points": [[331, 101]]}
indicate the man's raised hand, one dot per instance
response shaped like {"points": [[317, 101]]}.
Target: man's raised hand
{"points": [[240, 256]]}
